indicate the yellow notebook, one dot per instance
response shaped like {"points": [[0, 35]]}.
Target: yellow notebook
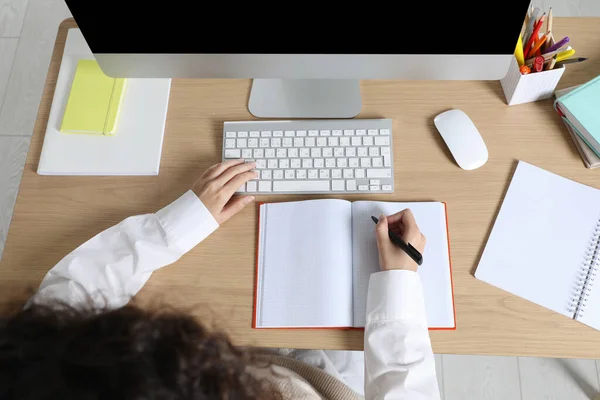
{"points": [[94, 102]]}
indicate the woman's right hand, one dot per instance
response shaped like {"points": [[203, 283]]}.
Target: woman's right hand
{"points": [[404, 225]]}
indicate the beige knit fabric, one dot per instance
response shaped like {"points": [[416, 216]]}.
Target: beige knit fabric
{"points": [[297, 380]]}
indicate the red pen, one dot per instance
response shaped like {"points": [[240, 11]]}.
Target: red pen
{"points": [[534, 35], [538, 64]]}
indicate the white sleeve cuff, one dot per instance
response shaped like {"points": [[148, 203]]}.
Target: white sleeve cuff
{"points": [[186, 222], [395, 295]]}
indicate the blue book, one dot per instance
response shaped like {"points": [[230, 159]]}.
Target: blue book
{"points": [[579, 109]]}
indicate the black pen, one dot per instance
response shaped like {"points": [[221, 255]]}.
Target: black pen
{"points": [[407, 247]]}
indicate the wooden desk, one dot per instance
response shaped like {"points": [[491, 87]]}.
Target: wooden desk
{"points": [[55, 214]]}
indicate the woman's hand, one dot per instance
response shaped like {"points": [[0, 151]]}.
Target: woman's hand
{"points": [[218, 184], [404, 225]]}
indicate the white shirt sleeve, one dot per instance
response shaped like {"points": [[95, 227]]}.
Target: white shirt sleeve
{"points": [[399, 362], [109, 269]]}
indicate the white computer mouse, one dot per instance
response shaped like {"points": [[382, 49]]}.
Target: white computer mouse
{"points": [[462, 138]]}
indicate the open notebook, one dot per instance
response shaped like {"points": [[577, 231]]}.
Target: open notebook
{"points": [[545, 244], [315, 259]]}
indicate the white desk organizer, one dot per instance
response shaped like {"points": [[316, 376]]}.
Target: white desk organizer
{"points": [[535, 86]]}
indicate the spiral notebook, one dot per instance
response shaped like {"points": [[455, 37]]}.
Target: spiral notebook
{"points": [[545, 244]]}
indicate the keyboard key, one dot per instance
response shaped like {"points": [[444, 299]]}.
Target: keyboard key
{"points": [[351, 185], [350, 152], [336, 173], [359, 173], [338, 152], [252, 143], [356, 141], [242, 134], [266, 174], [379, 173], [313, 174], [338, 185], [348, 173], [344, 141], [241, 143], [289, 174], [272, 163], [373, 151], [247, 154], [372, 132], [254, 134], [304, 153], [348, 132], [365, 162], [284, 163], [307, 163], [300, 133], [342, 162], [241, 189], [264, 186], [327, 152], [261, 164], [321, 141], [367, 141], [287, 142], [374, 182], [325, 133], [315, 152], [301, 174], [276, 142], [258, 153], [251, 186], [281, 153], [363, 187], [377, 162], [299, 142], [330, 162], [290, 133], [300, 186], [382, 141], [353, 162], [265, 134], [333, 142], [277, 133], [336, 132], [323, 174], [270, 153], [230, 143], [233, 153], [309, 142], [318, 163], [292, 153], [387, 188], [230, 134], [264, 142], [313, 133], [361, 132], [295, 163], [257, 172], [363, 152], [385, 151], [387, 161], [278, 174], [384, 132], [375, 188]]}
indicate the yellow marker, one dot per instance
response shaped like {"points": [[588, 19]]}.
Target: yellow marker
{"points": [[564, 55], [519, 52]]}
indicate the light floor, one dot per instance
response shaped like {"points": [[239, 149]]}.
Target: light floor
{"points": [[27, 33]]}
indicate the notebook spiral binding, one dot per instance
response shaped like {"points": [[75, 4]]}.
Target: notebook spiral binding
{"points": [[586, 276]]}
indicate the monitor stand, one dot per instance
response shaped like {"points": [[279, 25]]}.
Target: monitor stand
{"points": [[305, 98]]}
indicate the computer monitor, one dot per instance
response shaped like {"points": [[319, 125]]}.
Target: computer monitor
{"points": [[305, 58]]}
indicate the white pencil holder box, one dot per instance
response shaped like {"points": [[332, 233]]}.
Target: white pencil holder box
{"points": [[519, 88]]}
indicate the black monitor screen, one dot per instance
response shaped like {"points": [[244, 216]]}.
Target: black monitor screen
{"points": [[359, 27]]}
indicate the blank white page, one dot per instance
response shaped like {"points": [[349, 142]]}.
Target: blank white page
{"points": [[305, 264], [539, 240], [434, 273]]}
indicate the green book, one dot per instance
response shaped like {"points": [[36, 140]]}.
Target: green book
{"points": [[580, 110]]}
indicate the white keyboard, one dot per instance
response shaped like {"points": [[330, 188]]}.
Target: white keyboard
{"points": [[314, 156]]}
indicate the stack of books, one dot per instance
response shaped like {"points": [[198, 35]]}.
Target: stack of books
{"points": [[578, 106]]}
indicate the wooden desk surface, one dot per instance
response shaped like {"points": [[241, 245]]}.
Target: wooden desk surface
{"points": [[54, 214]]}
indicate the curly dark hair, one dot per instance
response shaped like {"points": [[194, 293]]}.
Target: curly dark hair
{"points": [[58, 352]]}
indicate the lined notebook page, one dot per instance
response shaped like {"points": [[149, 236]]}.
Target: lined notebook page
{"points": [[305, 264], [538, 243], [435, 271]]}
